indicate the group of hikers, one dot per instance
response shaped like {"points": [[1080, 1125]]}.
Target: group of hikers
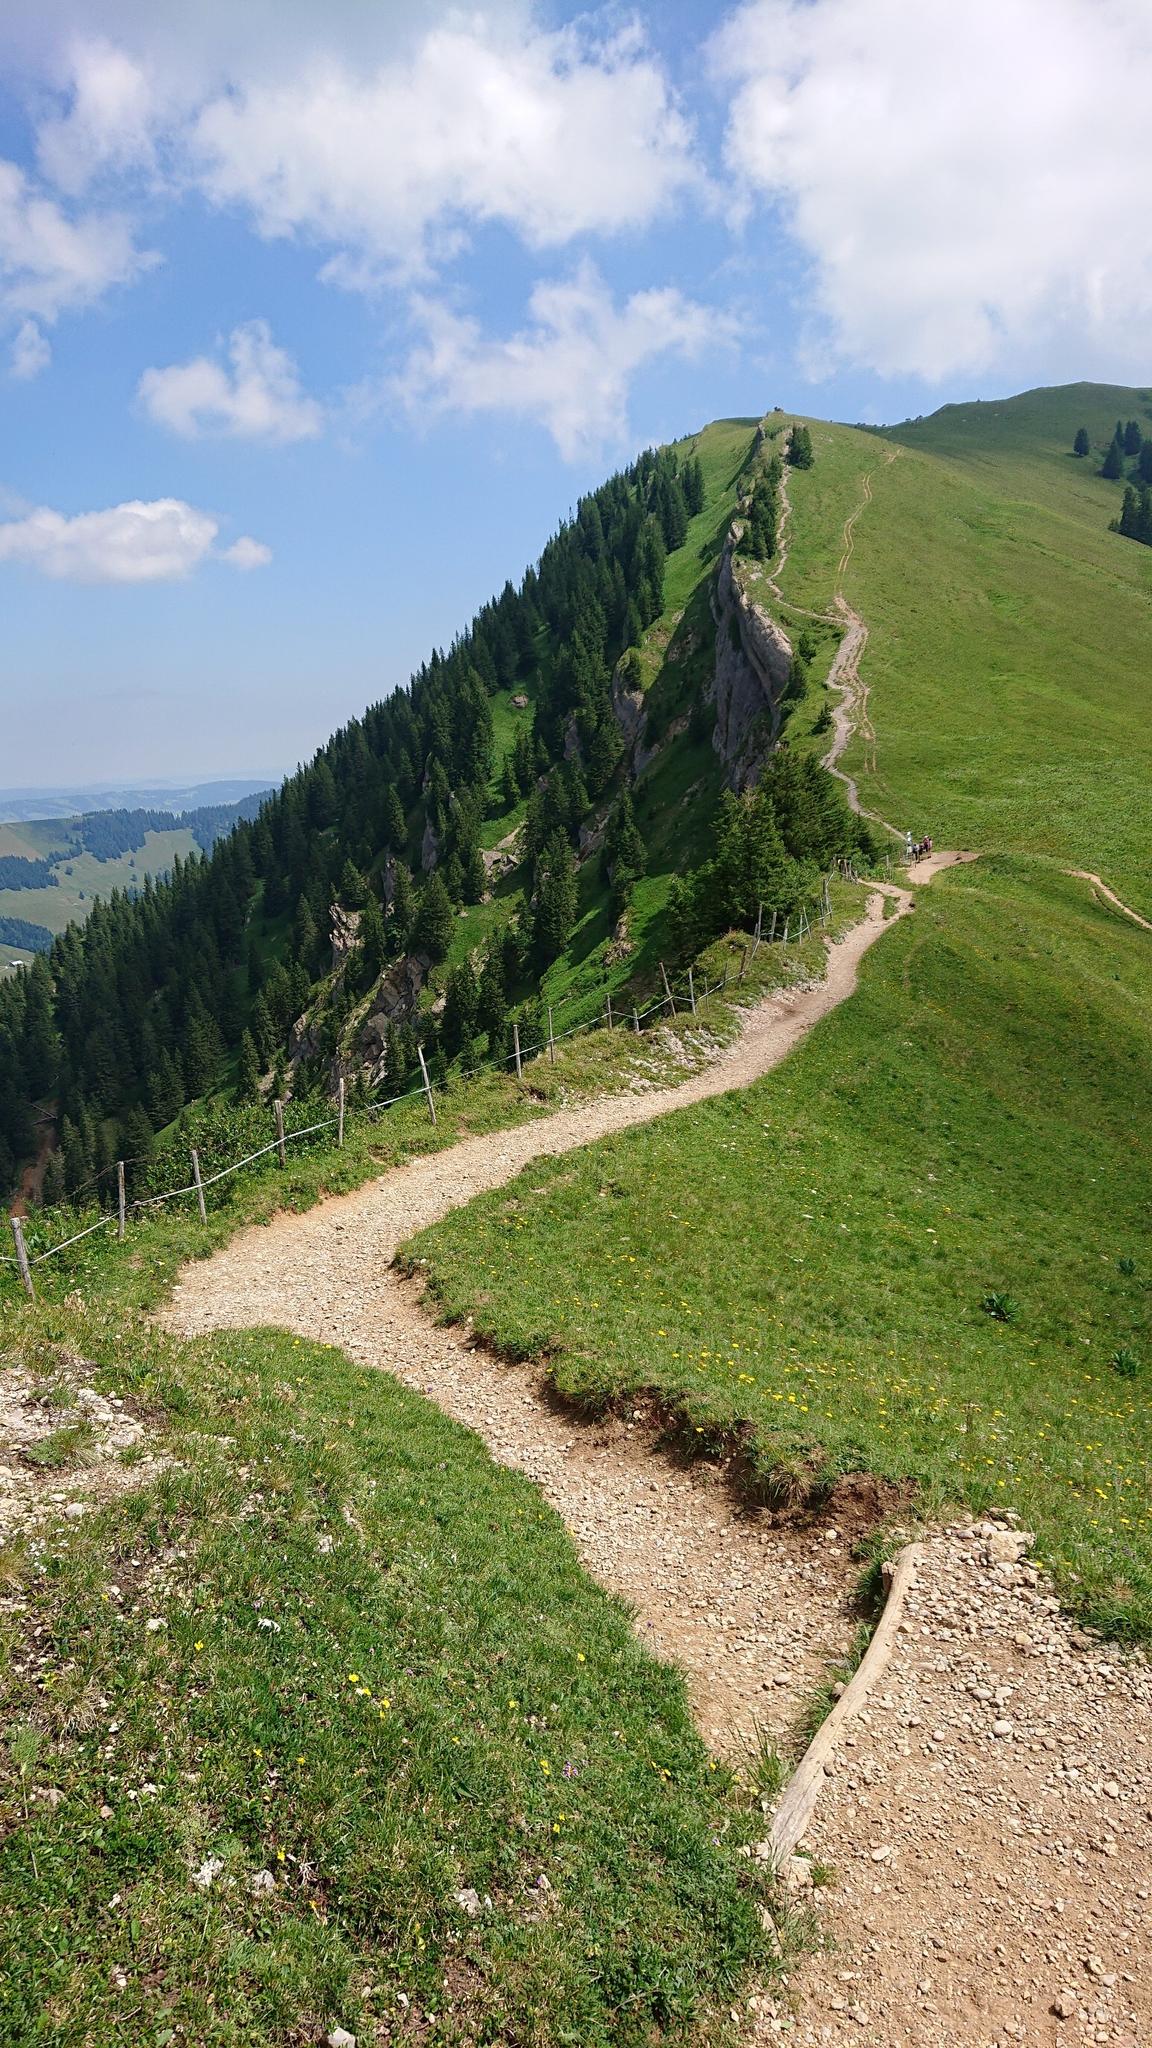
{"points": [[916, 849]]}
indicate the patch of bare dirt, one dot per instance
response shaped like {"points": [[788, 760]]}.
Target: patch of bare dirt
{"points": [[64, 1447]]}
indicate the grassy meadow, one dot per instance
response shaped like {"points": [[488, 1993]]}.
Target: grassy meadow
{"points": [[814, 1256], [378, 1678], [1008, 628]]}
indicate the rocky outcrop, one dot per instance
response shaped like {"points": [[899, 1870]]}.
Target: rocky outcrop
{"points": [[393, 1002], [345, 929], [753, 664], [429, 848]]}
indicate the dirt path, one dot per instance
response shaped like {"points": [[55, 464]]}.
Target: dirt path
{"points": [[987, 1820], [851, 715], [1110, 896], [752, 1615]]}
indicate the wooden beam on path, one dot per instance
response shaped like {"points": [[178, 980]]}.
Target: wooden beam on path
{"points": [[803, 1788]]}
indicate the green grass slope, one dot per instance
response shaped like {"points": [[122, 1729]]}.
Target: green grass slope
{"points": [[1009, 629], [83, 879], [812, 1256]]}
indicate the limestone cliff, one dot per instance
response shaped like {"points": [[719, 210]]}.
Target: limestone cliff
{"points": [[753, 663]]}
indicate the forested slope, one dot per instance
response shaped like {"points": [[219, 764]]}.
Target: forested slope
{"points": [[504, 831]]}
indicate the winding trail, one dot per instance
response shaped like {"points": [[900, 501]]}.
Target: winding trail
{"points": [[753, 1615], [1101, 888], [851, 716]]}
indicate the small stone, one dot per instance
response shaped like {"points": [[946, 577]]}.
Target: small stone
{"points": [[1112, 1789], [1001, 1728], [341, 2038], [1065, 2005], [74, 1510], [882, 1854]]}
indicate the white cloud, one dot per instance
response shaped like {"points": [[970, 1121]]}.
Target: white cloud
{"points": [[386, 150], [31, 352], [569, 369], [962, 178], [247, 553], [50, 263], [158, 542], [109, 123], [258, 398]]}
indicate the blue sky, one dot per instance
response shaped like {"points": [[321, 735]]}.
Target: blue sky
{"points": [[314, 319]]}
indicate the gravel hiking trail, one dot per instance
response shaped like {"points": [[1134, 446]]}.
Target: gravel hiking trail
{"points": [[851, 716], [752, 1614], [987, 1819]]}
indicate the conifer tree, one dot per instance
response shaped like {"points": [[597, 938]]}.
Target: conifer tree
{"points": [[800, 453], [1113, 463], [432, 926], [403, 905], [554, 912], [1144, 466], [248, 1071], [461, 1005], [1133, 438], [395, 824], [1081, 445], [371, 938]]}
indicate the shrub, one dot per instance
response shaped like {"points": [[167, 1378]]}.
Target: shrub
{"points": [[1001, 1307], [1125, 1363]]}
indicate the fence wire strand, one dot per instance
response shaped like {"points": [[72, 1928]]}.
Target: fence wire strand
{"points": [[625, 1020]]}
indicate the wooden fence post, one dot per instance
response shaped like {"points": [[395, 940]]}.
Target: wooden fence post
{"points": [[691, 992], [772, 933], [551, 1040], [199, 1185], [609, 1009], [121, 1205], [759, 921], [22, 1258], [784, 941], [340, 1111], [743, 964], [278, 1108], [667, 990], [427, 1086], [516, 1049], [635, 1020]]}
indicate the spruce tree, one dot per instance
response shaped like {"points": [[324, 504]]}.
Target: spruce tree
{"points": [[371, 938], [432, 926], [395, 823], [403, 906], [1081, 445], [1144, 466], [461, 1005], [800, 453], [554, 913], [1113, 464], [1133, 438], [248, 1071]]}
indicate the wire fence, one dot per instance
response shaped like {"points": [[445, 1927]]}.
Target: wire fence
{"points": [[681, 999]]}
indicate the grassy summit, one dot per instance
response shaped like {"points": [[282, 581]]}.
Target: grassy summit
{"points": [[1009, 629]]}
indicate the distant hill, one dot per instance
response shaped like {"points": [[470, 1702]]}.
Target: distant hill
{"points": [[61, 801], [52, 870]]}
